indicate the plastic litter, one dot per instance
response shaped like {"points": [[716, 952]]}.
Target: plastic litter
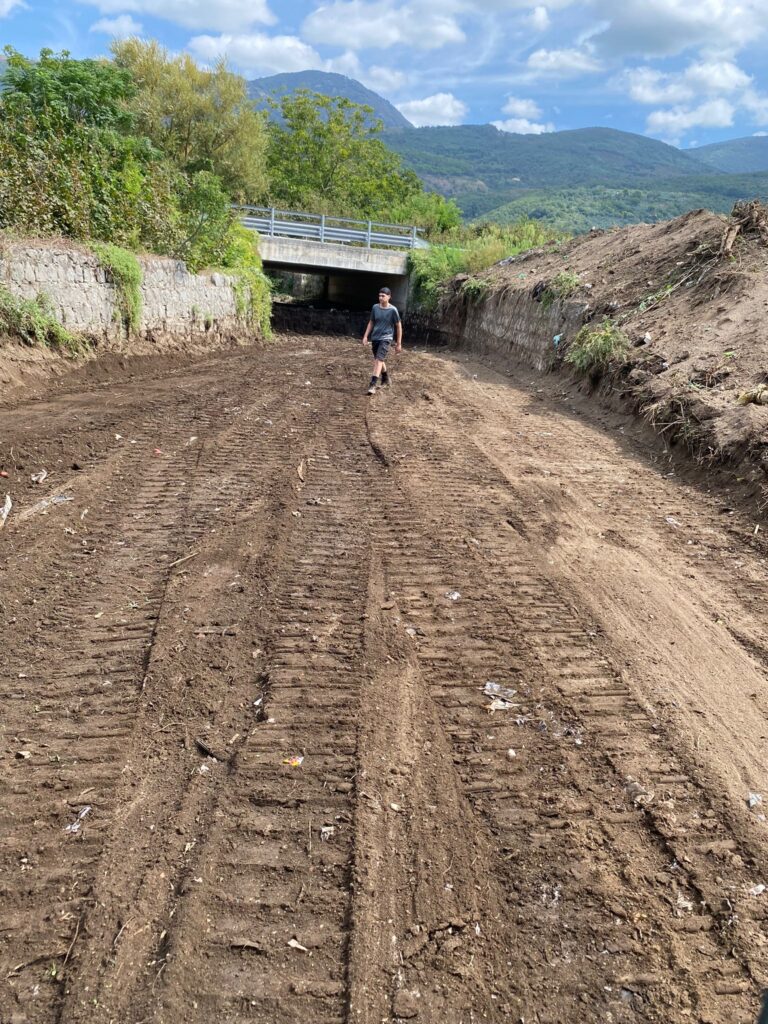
{"points": [[3, 473], [672, 521], [37, 478], [757, 890], [501, 705], [638, 794], [557, 339], [754, 799], [511, 754], [46, 503], [495, 690], [295, 944], [453, 595], [294, 762], [75, 826], [5, 511], [326, 832]]}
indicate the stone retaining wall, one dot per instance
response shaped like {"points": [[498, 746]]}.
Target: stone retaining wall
{"points": [[175, 302]]}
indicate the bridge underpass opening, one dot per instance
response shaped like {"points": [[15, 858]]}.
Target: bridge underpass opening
{"points": [[352, 290]]}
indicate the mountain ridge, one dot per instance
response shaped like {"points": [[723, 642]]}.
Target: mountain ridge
{"points": [[329, 84]]}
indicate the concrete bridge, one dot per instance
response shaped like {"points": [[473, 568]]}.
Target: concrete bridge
{"points": [[348, 260]]}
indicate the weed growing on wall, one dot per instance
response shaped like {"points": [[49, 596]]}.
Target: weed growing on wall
{"points": [[561, 287], [33, 321], [253, 298], [125, 271], [594, 348]]}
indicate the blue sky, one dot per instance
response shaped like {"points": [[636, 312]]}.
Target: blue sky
{"points": [[684, 71]]}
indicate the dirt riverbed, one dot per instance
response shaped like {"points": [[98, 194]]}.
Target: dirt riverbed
{"points": [[447, 705]]}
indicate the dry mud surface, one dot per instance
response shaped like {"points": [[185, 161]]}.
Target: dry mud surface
{"points": [[248, 769]]}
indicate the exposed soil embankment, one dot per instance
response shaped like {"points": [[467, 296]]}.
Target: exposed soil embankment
{"points": [[691, 301]]}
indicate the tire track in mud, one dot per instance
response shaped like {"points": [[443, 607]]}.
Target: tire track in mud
{"points": [[603, 742], [79, 719]]}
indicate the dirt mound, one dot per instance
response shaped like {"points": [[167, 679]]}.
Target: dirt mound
{"points": [[690, 295]]}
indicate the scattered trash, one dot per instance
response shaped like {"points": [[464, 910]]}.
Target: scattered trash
{"points": [[297, 514], [495, 690], [754, 799], [395, 807], [501, 705], [23, 755], [98, 615], [3, 473], [300, 471], [638, 794], [258, 702], [757, 890], [37, 478], [249, 946], [158, 451], [326, 832], [453, 595], [295, 944], [414, 631], [511, 754], [5, 511], [74, 827], [46, 503], [557, 339], [683, 903], [203, 769], [672, 521], [118, 437], [294, 762]]}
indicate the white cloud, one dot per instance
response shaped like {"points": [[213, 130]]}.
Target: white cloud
{"points": [[671, 124], [258, 54], [757, 106], [658, 28], [759, 135], [538, 19], [120, 28], [567, 63], [706, 77], [522, 126], [521, 108], [379, 24], [220, 15], [6, 6], [442, 108]]}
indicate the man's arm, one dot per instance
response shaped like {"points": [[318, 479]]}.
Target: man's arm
{"points": [[399, 341], [368, 329]]}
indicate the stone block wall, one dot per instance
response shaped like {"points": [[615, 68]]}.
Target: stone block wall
{"points": [[510, 323], [175, 302]]}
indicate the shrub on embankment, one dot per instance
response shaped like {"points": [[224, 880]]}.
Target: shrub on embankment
{"points": [[90, 151], [34, 322], [469, 251]]}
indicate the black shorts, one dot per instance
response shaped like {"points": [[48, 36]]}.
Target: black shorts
{"points": [[381, 348]]}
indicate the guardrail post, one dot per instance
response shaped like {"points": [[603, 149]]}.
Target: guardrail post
{"points": [[322, 227], [272, 221], [368, 235], [413, 237]]}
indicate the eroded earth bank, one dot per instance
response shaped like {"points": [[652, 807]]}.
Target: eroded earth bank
{"points": [[448, 705]]}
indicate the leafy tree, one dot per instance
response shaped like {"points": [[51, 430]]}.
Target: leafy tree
{"points": [[91, 92], [201, 119], [324, 155]]}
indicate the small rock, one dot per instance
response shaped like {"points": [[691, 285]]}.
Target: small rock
{"points": [[405, 1005]]}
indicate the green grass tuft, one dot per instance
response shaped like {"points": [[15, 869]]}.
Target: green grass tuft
{"points": [[594, 348], [34, 322]]}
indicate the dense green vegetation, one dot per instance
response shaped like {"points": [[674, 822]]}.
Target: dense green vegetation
{"points": [[261, 90], [125, 271], [736, 156], [34, 322], [469, 251], [577, 210]]}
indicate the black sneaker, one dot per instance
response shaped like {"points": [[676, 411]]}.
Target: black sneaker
{"points": [[371, 389], [384, 379]]}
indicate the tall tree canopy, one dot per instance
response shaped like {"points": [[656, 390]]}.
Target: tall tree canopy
{"points": [[201, 119]]}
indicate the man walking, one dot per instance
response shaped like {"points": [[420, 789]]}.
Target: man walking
{"points": [[384, 326]]}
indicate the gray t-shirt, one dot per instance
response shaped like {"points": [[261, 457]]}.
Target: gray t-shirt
{"points": [[384, 321]]}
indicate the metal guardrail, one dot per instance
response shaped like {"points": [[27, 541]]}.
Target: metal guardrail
{"points": [[320, 227]]}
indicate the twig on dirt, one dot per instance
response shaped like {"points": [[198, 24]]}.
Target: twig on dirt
{"points": [[36, 960], [186, 558], [74, 940], [745, 216]]}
